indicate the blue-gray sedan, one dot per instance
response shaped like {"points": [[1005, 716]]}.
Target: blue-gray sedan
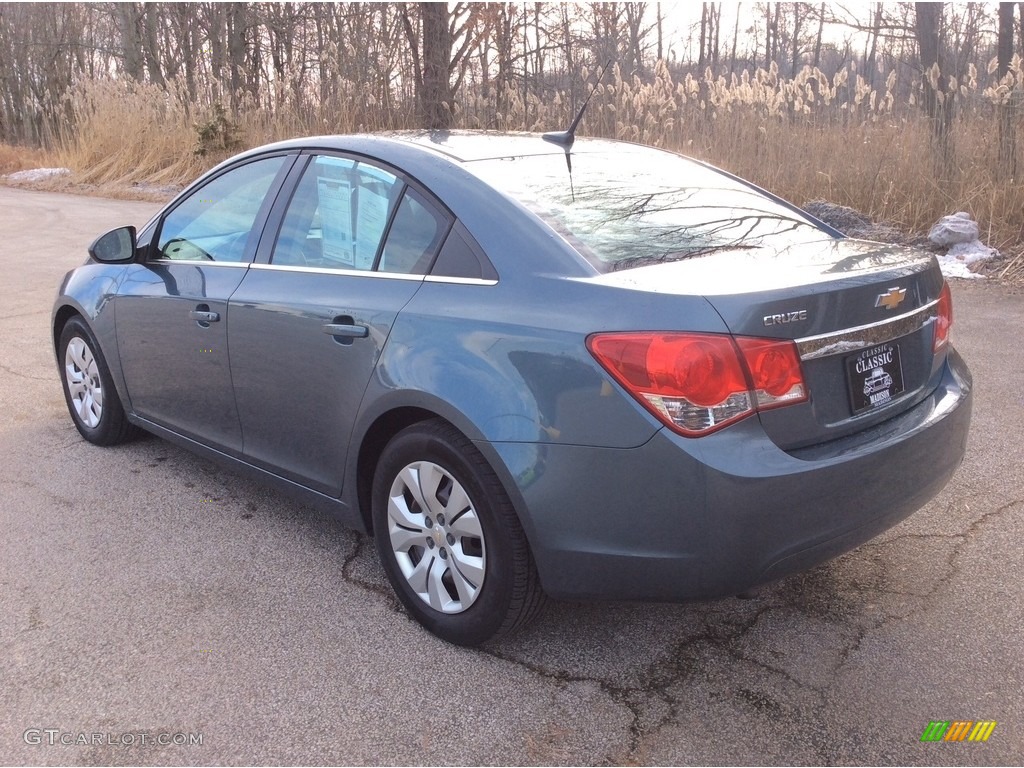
{"points": [[604, 371]]}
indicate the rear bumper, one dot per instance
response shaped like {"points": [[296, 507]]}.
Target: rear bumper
{"points": [[679, 519]]}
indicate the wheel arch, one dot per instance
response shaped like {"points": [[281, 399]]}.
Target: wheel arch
{"points": [[376, 437], [61, 316], [388, 423]]}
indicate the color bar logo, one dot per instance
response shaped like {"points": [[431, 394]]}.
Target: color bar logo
{"points": [[958, 730]]}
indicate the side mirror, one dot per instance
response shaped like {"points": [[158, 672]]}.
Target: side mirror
{"points": [[117, 246]]}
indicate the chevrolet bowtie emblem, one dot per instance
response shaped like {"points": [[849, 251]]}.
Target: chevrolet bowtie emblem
{"points": [[891, 298]]}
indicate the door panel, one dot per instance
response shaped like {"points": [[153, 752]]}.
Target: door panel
{"points": [[175, 360], [307, 329], [303, 347], [172, 311]]}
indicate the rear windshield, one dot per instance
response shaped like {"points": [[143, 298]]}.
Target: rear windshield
{"points": [[637, 206]]}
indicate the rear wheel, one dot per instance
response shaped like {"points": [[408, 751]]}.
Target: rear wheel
{"points": [[449, 539], [89, 389]]}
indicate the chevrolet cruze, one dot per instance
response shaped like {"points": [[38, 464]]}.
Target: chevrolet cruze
{"points": [[527, 367]]}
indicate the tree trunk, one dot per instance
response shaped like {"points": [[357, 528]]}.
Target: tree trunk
{"points": [[236, 52], [798, 20], [435, 101], [702, 53], [716, 15], [937, 102], [151, 43], [131, 40], [1007, 165], [1020, 29], [735, 40], [660, 38], [817, 40], [1004, 51]]}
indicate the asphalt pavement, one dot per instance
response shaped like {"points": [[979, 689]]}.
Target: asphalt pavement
{"points": [[156, 609]]}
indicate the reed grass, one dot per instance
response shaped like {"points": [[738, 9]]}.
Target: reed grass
{"points": [[805, 138]]}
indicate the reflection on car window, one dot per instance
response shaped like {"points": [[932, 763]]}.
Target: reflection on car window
{"points": [[337, 216], [214, 222], [414, 237], [637, 206]]}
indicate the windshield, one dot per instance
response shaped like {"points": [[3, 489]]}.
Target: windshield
{"points": [[634, 205]]}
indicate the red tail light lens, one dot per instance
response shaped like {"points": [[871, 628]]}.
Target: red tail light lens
{"points": [[944, 321], [697, 383], [704, 370], [774, 371]]}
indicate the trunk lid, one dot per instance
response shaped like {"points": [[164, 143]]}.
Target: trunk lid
{"points": [[862, 315]]}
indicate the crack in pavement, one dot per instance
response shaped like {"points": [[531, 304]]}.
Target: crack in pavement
{"points": [[24, 375], [349, 576], [655, 679], [31, 485], [683, 661], [25, 314], [651, 703]]}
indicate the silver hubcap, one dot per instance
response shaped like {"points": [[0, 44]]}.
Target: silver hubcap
{"points": [[83, 382], [436, 537]]}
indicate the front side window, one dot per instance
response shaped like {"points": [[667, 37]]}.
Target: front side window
{"points": [[214, 222]]}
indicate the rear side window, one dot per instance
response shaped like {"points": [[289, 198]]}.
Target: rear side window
{"points": [[634, 205], [414, 236], [351, 215], [461, 257], [338, 215]]}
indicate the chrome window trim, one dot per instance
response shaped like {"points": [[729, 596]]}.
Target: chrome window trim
{"points": [[200, 262], [372, 273], [332, 271], [851, 339], [459, 280]]}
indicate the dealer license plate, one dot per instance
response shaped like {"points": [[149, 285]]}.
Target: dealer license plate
{"points": [[875, 376]]}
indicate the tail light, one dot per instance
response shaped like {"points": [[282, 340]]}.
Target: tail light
{"points": [[697, 383], [944, 321]]}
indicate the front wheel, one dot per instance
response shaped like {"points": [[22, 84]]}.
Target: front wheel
{"points": [[89, 389], [449, 539]]}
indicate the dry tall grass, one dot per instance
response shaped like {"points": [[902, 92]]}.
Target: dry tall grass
{"points": [[120, 131], [810, 137], [13, 159]]}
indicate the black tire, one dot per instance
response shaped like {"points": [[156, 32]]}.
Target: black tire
{"points": [[509, 594], [84, 374]]}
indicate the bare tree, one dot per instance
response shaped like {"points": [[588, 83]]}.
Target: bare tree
{"points": [[1007, 165], [871, 46], [440, 29], [816, 60], [938, 98]]}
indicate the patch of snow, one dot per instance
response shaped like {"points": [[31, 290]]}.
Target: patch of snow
{"points": [[37, 174], [972, 252], [957, 262], [960, 236]]}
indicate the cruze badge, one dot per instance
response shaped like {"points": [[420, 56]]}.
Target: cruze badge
{"points": [[891, 298], [785, 317]]}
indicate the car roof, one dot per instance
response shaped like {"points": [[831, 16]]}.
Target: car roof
{"points": [[458, 146], [470, 146]]}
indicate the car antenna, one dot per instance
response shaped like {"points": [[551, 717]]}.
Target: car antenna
{"points": [[565, 139]]}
